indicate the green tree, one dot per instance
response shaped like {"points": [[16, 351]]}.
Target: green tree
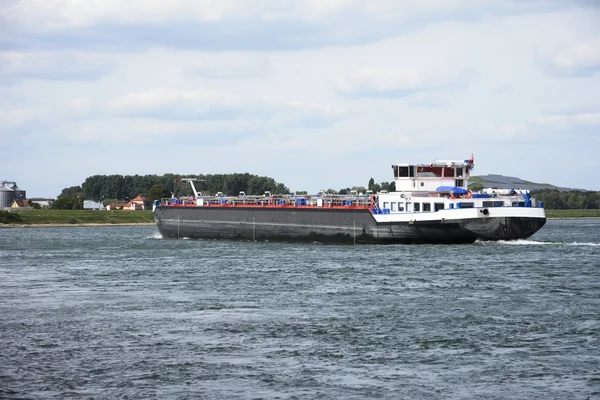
{"points": [[476, 187], [102, 187], [70, 198], [371, 185], [157, 192], [378, 187], [389, 186], [359, 189], [554, 199]]}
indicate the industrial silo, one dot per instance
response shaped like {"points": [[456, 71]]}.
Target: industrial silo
{"points": [[19, 193], [7, 196]]}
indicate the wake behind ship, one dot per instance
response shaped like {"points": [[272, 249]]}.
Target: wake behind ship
{"points": [[431, 204]]}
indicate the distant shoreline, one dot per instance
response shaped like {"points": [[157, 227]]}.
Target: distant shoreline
{"points": [[574, 218], [75, 225]]}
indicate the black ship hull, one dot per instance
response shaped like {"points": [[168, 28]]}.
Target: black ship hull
{"points": [[326, 225]]}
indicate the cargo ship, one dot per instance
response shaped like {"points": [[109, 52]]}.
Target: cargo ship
{"points": [[431, 204]]}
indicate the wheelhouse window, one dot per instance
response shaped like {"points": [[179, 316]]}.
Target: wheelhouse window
{"points": [[448, 172], [459, 172], [394, 206], [432, 172], [426, 206], [417, 207], [386, 204], [439, 206], [401, 172]]}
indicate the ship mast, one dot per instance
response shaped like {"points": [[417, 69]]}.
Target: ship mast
{"points": [[191, 182]]}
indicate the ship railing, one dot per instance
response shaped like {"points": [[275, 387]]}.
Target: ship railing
{"points": [[322, 200], [183, 201]]}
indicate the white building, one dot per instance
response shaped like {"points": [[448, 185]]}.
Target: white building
{"points": [[92, 205]]}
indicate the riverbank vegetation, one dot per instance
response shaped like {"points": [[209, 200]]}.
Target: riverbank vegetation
{"points": [[568, 200], [75, 217], [566, 214], [8, 217], [118, 188]]}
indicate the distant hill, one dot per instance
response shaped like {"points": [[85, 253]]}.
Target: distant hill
{"points": [[510, 182]]}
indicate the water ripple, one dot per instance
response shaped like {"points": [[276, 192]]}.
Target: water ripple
{"points": [[119, 312]]}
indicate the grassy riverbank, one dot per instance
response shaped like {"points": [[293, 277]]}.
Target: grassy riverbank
{"points": [[79, 217], [564, 214], [75, 217]]}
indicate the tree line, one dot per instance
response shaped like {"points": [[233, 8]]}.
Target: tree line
{"points": [[554, 199], [117, 188]]}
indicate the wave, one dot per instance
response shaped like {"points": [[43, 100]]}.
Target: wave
{"points": [[155, 235], [582, 244], [525, 242]]}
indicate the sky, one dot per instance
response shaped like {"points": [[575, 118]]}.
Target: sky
{"points": [[316, 94]]}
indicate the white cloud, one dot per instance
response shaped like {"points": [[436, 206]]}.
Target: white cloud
{"points": [[400, 83], [563, 121], [56, 15], [194, 117], [316, 93], [163, 103], [107, 132], [493, 132], [429, 99], [581, 59], [78, 106], [234, 24], [64, 14], [11, 118], [229, 66], [17, 66]]}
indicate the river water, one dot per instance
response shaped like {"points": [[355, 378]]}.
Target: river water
{"points": [[118, 312]]}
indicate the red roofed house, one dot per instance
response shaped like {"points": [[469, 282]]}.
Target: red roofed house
{"points": [[138, 203], [141, 203], [118, 206], [20, 204]]}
